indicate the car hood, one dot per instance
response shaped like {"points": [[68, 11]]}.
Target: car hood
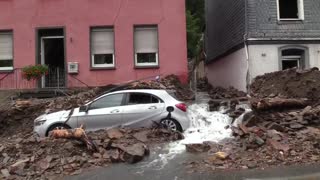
{"points": [[60, 115]]}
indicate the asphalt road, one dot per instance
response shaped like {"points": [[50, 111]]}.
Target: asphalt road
{"points": [[125, 172]]}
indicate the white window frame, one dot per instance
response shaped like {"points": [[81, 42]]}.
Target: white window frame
{"points": [[300, 12], [9, 68], [155, 64], [93, 65], [146, 64]]}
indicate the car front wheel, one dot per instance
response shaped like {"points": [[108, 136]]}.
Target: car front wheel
{"points": [[171, 124], [57, 127]]}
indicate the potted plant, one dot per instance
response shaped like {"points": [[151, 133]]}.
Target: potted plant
{"points": [[34, 72]]}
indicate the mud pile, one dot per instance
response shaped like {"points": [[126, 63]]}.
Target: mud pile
{"points": [[26, 157], [291, 83]]}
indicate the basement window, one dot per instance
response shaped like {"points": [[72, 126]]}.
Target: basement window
{"points": [[6, 50], [292, 58], [146, 46], [102, 48], [290, 10]]}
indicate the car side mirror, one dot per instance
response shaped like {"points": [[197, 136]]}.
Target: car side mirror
{"points": [[84, 108], [170, 109]]}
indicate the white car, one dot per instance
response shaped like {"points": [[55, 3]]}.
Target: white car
{"points": [[127, 108]]}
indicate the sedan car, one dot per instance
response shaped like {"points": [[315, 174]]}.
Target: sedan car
{"points": [[127, 108]]}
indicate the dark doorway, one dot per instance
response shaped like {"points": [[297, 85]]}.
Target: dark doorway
{"points": [[52, 54]]}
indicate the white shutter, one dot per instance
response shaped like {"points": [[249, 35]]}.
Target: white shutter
{"points": [[6, 46], [146, 40], [102, 41]]}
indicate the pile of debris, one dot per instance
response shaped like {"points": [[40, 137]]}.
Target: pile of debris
{"points": [[26, 157], [291, 83], [282, 128]]}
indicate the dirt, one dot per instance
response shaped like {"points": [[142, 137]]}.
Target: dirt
{"points": [[291, 83]]}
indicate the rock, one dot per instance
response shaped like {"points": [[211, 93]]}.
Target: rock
{"points": [[141, 136], [296, 126], [197, 148], [276, 126], [278, 146], [5, 173], [114, 134], [221, 155], [134, 153], [274, 134], [44, 164]]}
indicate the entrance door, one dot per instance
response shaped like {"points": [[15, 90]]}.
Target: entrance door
{"points": [[52, 55]]}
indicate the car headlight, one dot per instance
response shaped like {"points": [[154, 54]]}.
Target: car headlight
{"points": [[39, 121]]}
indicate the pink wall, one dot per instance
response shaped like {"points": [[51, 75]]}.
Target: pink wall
{"points": [[24, 16]]}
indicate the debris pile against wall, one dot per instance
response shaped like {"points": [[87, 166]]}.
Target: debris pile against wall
{"points": [[291, 83], [26, 157], [281, 129]]}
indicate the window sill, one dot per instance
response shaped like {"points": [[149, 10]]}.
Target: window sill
{"points": [[7, 70], [147, 67], [290, 21], [102, 68]]}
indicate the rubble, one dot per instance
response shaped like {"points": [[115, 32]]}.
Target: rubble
{"points": [[33, 158], [282, 129]]}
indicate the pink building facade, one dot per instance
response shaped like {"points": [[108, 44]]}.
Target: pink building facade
{"points": [[91, 42]]}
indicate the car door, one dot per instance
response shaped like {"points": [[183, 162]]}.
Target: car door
{"points": [[103, 112], [142, 107]]}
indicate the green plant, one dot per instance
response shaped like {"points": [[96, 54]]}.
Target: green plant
{"points": [[34, 72]]}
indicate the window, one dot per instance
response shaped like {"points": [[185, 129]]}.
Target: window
{"points": [[141, 98], [102, 47], [292, 58], [146, 46], [6, 51], [107, 101], [290, 10]]}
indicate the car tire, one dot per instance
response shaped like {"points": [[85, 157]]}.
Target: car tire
{"points": [[171, 124], [57, 126]]}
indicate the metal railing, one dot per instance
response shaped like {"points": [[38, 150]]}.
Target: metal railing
{"points": [[55, 78]]}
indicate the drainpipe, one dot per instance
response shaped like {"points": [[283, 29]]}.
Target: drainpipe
{"points": [[245, 37]]}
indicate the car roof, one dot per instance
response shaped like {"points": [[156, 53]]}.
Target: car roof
{"points": [[151, 91]]}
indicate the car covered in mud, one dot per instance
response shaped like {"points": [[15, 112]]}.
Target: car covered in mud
{"points": [[126, 108]]}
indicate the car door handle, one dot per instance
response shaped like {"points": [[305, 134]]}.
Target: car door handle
{"points": [[152, 107], [115, 111]]}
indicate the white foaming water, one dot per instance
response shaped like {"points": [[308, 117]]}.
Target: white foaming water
{"points": [[205, 126]]}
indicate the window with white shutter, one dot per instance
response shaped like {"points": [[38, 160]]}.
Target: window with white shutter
{"points": [[146, 46], [102, 47], [6, 51]]}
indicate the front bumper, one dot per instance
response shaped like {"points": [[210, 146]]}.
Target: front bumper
{"points": [[39, 131]]}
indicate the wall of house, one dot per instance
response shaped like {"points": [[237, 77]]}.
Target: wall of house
{"points": [[260, 64], [229, 71], [77, 16], [263, 21], [225, 26]]}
